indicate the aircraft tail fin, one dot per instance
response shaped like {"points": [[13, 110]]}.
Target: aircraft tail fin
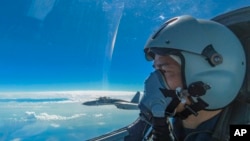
{"points": [[136, 98]]}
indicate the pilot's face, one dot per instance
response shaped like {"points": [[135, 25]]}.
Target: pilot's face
{"points": [[171, 70], [172, 74]]}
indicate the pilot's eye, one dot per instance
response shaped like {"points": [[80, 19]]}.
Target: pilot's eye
{"points": [[160, 66], [164, 65]]}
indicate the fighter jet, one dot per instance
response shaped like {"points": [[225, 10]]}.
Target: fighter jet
{"points": [[119, 103]]}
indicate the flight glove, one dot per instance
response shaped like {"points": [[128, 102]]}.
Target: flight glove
{"points": [[161, 130], [153, 100], [155, 103]]}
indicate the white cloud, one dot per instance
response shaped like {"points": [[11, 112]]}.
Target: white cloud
{"points": [[46, 116], [162, 17], [54, 125], [73, 96], [16, 139], [101, 123], [98, 115]]}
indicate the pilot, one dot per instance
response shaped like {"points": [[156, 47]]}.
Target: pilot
{"points": [[194, 92]]}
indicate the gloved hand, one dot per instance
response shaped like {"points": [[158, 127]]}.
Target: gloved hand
{"points": [[153, 100], [157, 103], [161, 131]]}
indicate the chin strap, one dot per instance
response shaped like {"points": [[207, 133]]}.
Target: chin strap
{"points": [[170, 110], [176, 96], [192, 109]]}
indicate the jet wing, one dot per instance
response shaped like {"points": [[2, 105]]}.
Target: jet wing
{"points": [[127, 105]]}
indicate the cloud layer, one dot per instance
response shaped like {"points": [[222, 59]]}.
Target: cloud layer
{"points": [[46, 116]]}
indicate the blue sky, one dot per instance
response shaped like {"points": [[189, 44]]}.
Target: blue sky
{"points": [[86, 44]]}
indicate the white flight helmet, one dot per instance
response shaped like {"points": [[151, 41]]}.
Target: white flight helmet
{"points": [[213, 59]]}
